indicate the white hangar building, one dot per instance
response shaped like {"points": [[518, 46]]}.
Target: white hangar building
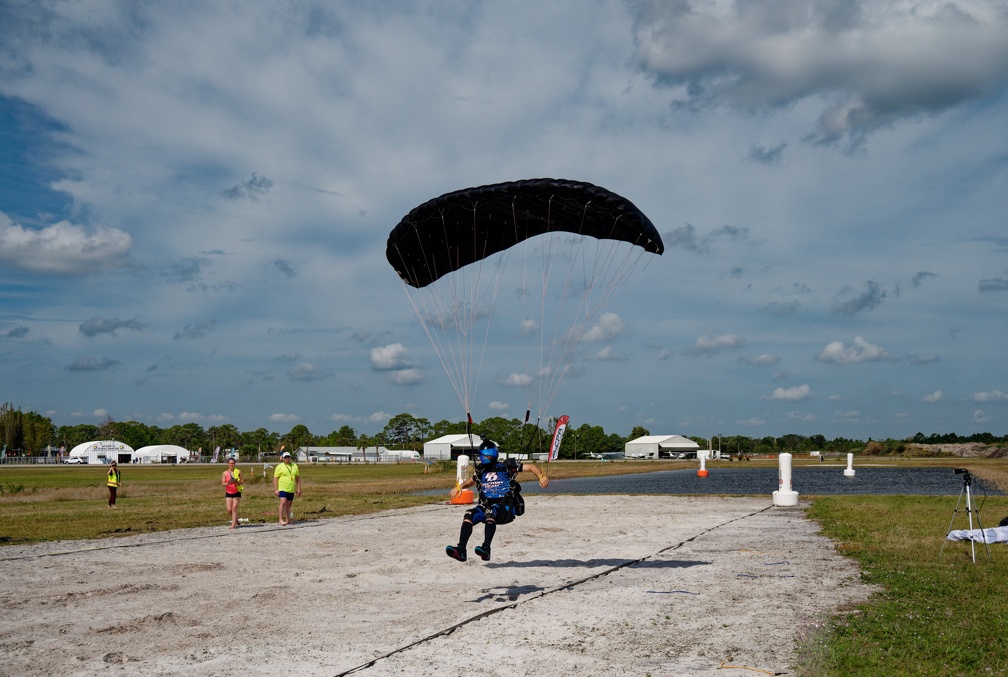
{"points": [[661, 446], [449, 447], [102, 451], [161, 453]]}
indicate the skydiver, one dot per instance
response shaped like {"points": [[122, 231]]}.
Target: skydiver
{"points": [[500, 498]]}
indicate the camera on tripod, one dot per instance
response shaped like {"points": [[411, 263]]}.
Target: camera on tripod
{"points": [[967, 490]]}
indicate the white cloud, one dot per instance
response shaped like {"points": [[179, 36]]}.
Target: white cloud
{"points": [[63, 248], [866, 64], [753, 421], [100, 325], [92, 364], [403, 377], [517, 380], [306, 371], [936, 396], [284, 418], [391, 356], [799, 416], [708, 344], [762, 360], [197, 417], [608, 327], [498, 406], [861, 351], [991, 396], [802, 392], [607, 354]]}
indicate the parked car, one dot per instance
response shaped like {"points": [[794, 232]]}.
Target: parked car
{"points": [[75, 459]]}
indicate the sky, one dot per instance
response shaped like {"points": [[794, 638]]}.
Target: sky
{"points": [[195, 200]]}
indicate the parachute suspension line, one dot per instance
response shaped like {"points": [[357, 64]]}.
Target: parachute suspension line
{"points": [[427, 316], [533, 435], [602, 275], [609, 273], [523, 292], [563, 338], [547, 376], [443, 311], [614, 274], [467, 292], [545, 365], [494, 283], [474, 297], [455, 308], [422, 307], [620, 274], [566, 342], [552, 371]]}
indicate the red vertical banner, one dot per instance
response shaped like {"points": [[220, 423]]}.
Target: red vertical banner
{"points": [[558, 434]]}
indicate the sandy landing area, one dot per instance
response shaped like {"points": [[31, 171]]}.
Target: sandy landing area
{"points": [[581, 585]]}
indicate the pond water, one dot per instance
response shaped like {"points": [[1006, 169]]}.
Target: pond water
{"points": [[764, 481]]}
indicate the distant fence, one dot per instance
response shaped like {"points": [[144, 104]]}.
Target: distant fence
{"points": [[29, 460], [54, 460]]}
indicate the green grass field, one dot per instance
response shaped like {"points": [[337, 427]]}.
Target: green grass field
{"points": [[934, 615], [57, 502]]}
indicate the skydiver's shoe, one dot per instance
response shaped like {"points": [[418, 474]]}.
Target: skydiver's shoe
{"points": [[456, 552], [483, 551]]}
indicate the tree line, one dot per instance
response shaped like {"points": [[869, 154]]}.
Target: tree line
{"points": [[32, 434]]}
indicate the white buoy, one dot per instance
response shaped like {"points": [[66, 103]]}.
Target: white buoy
{"points": [[462, 469], [702, 472], [849, 472], [785, 496]]}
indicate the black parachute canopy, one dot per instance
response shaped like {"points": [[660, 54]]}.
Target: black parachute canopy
{"points": [[462, 227]]}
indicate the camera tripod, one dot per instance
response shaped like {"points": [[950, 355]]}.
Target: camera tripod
{"points": [[967, 491]]}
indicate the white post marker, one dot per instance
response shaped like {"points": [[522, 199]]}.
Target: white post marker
{"points": [[785, 496], [462, 496], [849, 472]]}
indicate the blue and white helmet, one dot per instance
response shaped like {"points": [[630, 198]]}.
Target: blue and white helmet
{"points": [[487, 452]]}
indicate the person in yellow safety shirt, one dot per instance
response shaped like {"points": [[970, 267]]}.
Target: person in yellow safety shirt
{"points": [[286, 485], [232, 483], [114, 480]]}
